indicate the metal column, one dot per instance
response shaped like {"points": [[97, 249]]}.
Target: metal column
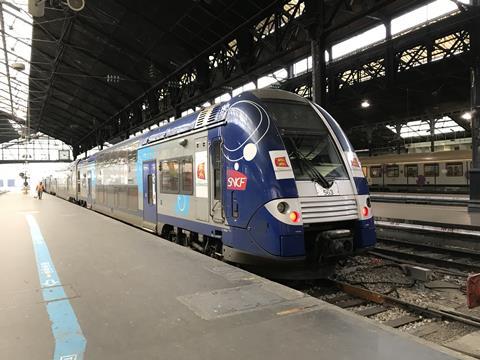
{"points": [[474, 204], [319, 70]]}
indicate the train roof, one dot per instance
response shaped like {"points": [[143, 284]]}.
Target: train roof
{"points": [[204, 118], [418, 157]]}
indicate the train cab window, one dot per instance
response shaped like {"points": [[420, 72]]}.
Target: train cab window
{"points": [[170, 177], [392, 171], [431, 170], [454, 169], [187, 176], [411, 171], [375, 171]]}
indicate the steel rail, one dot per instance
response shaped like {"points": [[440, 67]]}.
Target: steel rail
{"points": [[379, 298]]}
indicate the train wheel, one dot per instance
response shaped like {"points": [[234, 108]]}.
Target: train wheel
{"points": [[167, 232]]}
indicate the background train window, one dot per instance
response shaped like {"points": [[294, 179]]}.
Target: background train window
{"points": [[170, 178], [375, 171], [392, 171], [411, 170], [431, 170], [187, 176], [454, 169]]}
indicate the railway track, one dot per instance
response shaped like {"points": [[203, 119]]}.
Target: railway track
{"points": [[442, 248], [417, 320]]}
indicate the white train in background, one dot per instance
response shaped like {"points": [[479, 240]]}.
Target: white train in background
{"points": [[442, 172]]}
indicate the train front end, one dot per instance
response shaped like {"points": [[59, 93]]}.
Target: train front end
{"points": [[295, 191]]}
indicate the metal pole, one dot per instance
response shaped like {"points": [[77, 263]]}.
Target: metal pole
{"points": [[5, 52], [432, 124], [319, 76], [474, 204]]}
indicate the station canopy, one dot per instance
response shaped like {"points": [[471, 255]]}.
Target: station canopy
{"points": [[82, 67]]}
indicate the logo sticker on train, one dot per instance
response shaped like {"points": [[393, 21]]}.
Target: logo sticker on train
{"points": [[281, 164], [236, 180], [201, 171]]}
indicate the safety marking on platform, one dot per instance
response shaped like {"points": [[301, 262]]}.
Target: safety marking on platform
{"points": [[70, 343]]}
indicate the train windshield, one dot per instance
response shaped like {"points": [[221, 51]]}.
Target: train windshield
{"points": [[311, 149]]}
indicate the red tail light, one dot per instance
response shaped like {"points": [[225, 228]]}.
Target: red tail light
{"points": [[295, 216], [365, 211]]}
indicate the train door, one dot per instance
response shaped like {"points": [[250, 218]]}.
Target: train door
{"points": [[89, 187], [216, 183], [149, 195]]}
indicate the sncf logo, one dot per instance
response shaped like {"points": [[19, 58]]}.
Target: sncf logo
{"points": [[236, 180], [201, 171], [281, 161]]}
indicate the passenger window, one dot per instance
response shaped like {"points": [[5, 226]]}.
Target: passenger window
{"points": [[411, 170], [392, 171], [376, 171], [150, 189], [454, 169], [187, 176], [170, 177], [431, 170], [217, 169]]}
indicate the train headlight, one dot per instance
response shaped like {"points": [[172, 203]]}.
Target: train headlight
{"points": [[294, 216], [282, 207]]}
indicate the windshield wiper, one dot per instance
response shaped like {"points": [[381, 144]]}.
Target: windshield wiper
{"points": [[314, 174]]}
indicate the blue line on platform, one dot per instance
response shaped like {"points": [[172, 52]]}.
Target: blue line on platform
{"points": [[70, 343]]}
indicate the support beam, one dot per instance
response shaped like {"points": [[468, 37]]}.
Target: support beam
{"points": [[432, 124], [318, 46], [474, 204], [319, 71]]}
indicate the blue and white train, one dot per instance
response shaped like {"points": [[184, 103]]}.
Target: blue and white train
{"points": [[267, 178]]}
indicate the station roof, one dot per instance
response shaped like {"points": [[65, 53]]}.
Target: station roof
{"points": [[86, 66], [98, 60]]}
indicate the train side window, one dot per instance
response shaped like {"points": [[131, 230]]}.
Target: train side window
{"points": [[375, 171], [392, 171], [454, 169], [170, 177], [411, 170], [150, 188], [187, 176], [431, 170]]}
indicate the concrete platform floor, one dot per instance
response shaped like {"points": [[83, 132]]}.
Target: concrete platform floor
{"points": [[76, 284], [441, 214]]}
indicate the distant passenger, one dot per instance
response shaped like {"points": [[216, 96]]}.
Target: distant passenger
{"points": [[40, 190]]}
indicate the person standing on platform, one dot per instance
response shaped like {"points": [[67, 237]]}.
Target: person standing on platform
{"points": [[40, 190]]}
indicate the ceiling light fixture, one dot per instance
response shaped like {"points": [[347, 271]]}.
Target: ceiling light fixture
{"points": [[18, 66], [365, 104], [467, 116]]}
